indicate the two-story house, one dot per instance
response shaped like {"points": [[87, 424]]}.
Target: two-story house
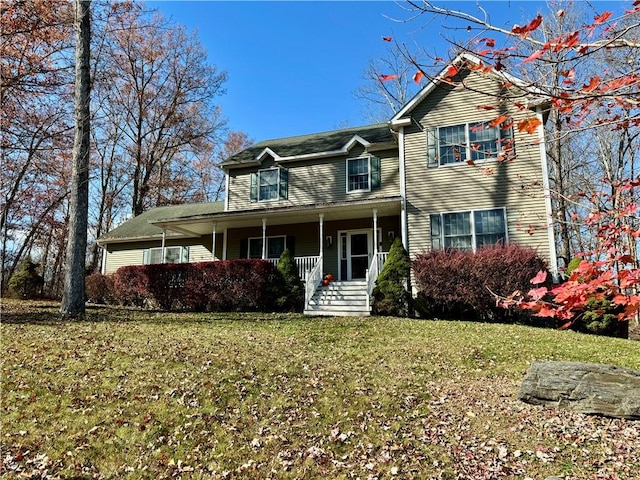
{"points": [[440, 174]]}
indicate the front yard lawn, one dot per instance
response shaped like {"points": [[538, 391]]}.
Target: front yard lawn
{"points": [[131, 394]]}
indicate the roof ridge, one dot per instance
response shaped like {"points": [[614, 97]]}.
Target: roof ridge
{"points": [[339, 130]]}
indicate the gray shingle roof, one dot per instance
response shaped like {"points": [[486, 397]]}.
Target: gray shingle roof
{"points": [[139, 228], [314, 143]]}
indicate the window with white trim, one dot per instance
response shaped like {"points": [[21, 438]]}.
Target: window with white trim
{"points": [[468, 230], [269, 184], [475, 141], [363, 174], [173, 254], [275, 246]]}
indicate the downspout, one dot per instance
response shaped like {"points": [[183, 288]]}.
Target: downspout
{"points": [[403, 191], [553, 258], [226, 191]]}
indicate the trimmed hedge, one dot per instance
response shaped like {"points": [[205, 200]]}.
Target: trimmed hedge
{"points": [[231, 285], [99, 289], [453, 284]]}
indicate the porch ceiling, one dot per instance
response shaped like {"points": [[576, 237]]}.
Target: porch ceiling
{"points": [[203, 224]]}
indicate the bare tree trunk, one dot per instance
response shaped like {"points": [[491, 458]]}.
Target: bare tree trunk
{"points": [[73, 297]]}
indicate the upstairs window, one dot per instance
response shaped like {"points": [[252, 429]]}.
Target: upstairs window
{"points": [[468, 230], [475, 141], [270, 184], [363, 174]]}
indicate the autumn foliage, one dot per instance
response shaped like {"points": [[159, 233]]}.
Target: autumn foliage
{"points": [[584, 69], [455, 284], [233, 285]]}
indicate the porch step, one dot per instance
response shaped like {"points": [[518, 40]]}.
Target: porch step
{"points": [[346, 298]]}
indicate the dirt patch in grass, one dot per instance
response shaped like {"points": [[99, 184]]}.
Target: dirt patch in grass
{"points": [[153, 395]]}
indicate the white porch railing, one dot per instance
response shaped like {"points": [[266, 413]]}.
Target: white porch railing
{"points": [[382, 257], [375, 267], [304, 264], [313, 280]]}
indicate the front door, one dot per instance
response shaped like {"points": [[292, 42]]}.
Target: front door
{"points": [[359, 248]]}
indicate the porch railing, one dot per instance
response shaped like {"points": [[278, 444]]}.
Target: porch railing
{"points": [[304, 264], [382, 257], [313, 280], [375, 267]]}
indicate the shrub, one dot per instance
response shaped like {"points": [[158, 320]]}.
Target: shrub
{"points": [[291, 294], [232, 285], [391, 295], [99, 289], [462, 285], [131, 285], [25, 282]]}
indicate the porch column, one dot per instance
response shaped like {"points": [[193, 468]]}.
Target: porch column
{"points": [[264, 238], [224, 243], [164, 234], [375, 233], [321, 234], [213, 245]]}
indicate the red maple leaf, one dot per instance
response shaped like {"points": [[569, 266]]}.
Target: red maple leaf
{"points": [[385, 78], [602, 18], [529, 125], [541, 277]]}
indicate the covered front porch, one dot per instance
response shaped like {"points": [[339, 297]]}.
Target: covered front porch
{"points": [[349, 240]]}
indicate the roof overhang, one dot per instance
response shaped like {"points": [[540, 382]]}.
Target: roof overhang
{"points": [[203, 224]]}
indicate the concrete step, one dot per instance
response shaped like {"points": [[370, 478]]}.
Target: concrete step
{"points": [[339, 298]]}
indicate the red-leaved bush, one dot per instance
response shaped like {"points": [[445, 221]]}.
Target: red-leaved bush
{"points": [[232, 285], [463, 285], [99, 288]]}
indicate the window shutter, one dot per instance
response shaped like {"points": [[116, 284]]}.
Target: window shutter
{"points": [[375, 173], [284, 184], [291, 245], [145, 256], [244, 248], [185, 255], [436, 232], [254, 187], [432, 148]]}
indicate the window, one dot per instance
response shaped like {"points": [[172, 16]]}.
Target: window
{"points": [[171, 255], [275, 247], [468, 230], [363, 174], [270, 184], [468, 141]]}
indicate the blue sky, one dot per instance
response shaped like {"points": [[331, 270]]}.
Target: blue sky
{"points": [[294, 66]]}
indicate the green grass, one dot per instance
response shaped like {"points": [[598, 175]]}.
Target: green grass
{"points": [[129, 394]]}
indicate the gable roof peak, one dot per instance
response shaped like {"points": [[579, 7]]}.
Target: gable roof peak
{"points": [[460, 59]]}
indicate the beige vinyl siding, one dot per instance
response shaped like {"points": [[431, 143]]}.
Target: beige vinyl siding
{"points": [[123, 254], [317, 181], [453, 188]]}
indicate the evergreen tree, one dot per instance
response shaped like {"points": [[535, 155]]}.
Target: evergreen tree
{"points": [[292, 295], [25, 283], [391, 294]]}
